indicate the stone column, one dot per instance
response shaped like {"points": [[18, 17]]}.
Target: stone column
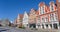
{"points": [[58, 25], [36, 26], [52, 26], [44, 26], [41, 26], [49, 27]]}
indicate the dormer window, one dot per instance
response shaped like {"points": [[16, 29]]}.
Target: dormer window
{"points": [[52, 6], [38, 21], [42, 10]]}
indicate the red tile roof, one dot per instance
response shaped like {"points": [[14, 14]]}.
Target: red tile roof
{"points": [[37, 12], [20, 15]]}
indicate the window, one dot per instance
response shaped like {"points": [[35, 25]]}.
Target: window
{"points": [[38, 19], [42, 10], [43, 20], [52, 7], [46, 19], [55, 17], [51, 17]]}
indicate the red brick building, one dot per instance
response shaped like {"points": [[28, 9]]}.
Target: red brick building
{"points": [[19, 20], [58, 9], [49, 15]]}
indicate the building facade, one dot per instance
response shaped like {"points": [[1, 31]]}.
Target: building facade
{"points": [[5, 22], [48, 16], [37, 19], [58, 10], [19, 20], [25, 19], [32, 18]]}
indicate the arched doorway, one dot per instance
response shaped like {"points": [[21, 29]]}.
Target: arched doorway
{"points": [[32, 25], [46, 25], [55, 26], [42, 26], [51, 25]]}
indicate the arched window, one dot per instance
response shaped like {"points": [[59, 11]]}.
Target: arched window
{"points": [[51, 17], [55, 17], [46, 19], [42, 10], [52, 8], [43, 20]]}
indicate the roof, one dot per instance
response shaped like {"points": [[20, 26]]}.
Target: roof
{"points": [[41, 3], [33, 10], [37, 12], [20, 16], [51, 3]]}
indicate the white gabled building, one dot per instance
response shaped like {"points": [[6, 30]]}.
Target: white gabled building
{"points": [[25, 19]]}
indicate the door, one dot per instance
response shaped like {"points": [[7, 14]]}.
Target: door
{"points": [[55, 26]]}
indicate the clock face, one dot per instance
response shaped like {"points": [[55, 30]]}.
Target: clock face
{"points": [[58, 0]]}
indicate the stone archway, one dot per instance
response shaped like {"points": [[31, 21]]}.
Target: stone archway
{"points": [[51, 26], [32, 25], [42, 26], [47, 25], [55, 26]]}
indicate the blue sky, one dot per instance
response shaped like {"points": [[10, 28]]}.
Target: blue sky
{"points": [[11, 8]]}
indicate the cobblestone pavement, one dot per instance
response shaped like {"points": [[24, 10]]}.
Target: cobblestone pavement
{"points": [[13, 29]]}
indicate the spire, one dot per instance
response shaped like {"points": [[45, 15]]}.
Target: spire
{"points": [[25, 14]]}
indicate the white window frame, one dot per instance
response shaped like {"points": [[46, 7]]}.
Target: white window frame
{"points": [[46, 19], [43, 20], [52, 7], [55, 17], [51, 17], [42, 9], [38, 21]]}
